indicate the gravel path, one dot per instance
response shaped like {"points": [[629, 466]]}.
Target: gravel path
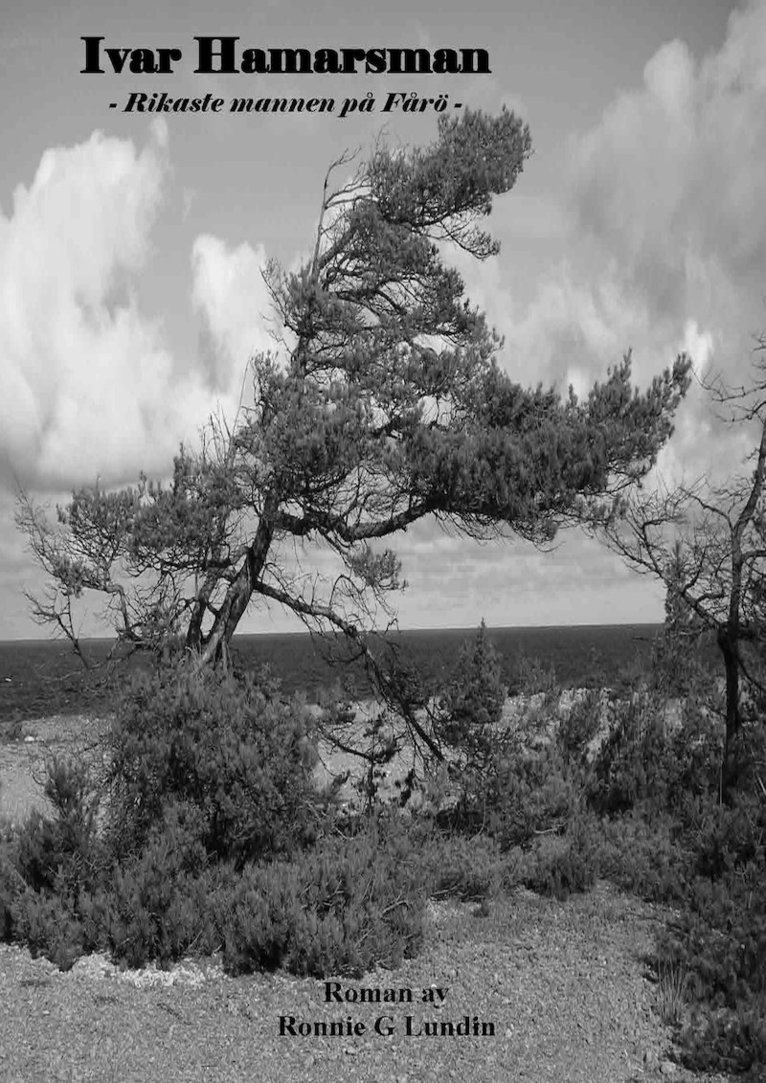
{"points": [[562, 984]]}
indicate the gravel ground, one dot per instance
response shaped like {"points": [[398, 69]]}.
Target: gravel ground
{"points": [[563, 986]]}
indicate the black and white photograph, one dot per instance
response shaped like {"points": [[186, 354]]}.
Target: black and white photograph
{"points": [[383, 542]]}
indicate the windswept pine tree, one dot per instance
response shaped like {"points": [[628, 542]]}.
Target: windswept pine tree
{"points": [[382, 404]]}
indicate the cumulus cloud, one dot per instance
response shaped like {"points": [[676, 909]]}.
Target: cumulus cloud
{"points": [[670, 188], [667, 193], [90, 387], [663, 231], [84, 372], [672, 180], [230, 293]]}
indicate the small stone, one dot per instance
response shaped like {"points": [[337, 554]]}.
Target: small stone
{"points": [[668, 1068]]}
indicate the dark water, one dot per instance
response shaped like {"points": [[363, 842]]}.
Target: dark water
{"points": [[42, 677]]}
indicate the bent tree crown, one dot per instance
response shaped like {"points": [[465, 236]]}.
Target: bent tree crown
{"points": [[383, 404]]}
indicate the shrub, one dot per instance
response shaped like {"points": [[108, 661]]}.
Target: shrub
{"points": [[222, 746], [476, 694], [719, 938], [532, 792], [156, 905], [627, 769], [48, 863], [470, 710], [723, 949], [346, 906], [727, 839], [578, 727], [11, 886], [48, 926], [728, 1041], [466, 869], [560, 865], [644, 857], [60, 854], [644, 758]]}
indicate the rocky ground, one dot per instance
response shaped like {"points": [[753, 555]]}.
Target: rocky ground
{"points": [[551, 991]]}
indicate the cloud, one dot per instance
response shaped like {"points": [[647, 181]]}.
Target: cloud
{"points": [[667, 196], [455, 583], [85, 374], [230, 293], [663, 231], [90, 387], [671, 182], [669, 186]]}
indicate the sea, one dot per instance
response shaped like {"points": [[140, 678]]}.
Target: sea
{"points": [[39, 677]]}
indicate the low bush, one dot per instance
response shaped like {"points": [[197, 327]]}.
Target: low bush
{"points": [[11, 887], [48, 925], [644, 856], [578, 727], [349, 904], [565, 864], [463, 868], [631, 765], [646, 759], [226, 748], [532, 792], [202, 771], [60, 854], [720, 942], [727, 839], [732, 1041], [155, 905], [343, 906], [48, 863]]}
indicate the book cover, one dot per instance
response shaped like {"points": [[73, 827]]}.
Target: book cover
{"points": [[351, 319]]}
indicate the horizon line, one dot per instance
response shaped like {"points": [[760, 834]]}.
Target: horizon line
{"points": [[306, 632]]}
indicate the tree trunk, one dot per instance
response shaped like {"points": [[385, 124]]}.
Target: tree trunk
{"points": [[194, 638], [215, 650], [729, 648]]}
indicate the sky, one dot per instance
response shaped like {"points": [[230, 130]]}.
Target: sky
{"points": [[131, 244]]}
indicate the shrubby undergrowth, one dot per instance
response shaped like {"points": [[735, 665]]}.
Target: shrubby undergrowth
{"points": [[206, 833], [641, 805], [224, 759]]}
